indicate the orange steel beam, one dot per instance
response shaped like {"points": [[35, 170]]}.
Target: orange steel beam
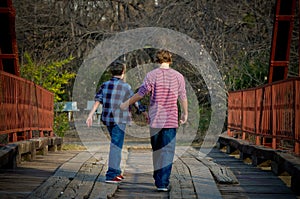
{"points": [[8, 41], [281, 39]]}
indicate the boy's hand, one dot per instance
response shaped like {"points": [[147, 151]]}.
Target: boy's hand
{"points": [[89, 121], [183, 119], [124, 106], [146, 116]]}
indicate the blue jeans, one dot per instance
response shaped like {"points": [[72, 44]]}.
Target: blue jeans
{"points": [[163, 143], [117, 134]]}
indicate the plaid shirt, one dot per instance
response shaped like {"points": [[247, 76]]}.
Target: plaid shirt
{"points": [[111, 94]]}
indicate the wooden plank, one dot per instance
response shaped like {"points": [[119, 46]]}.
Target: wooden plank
{"points": [[181, 181], [82, 184], [101, 189], [138, 182], [255, 175], [265, 189], [21, 181], [260, 181], [203, 180], [272, 196], [253, 182], [221, 174], [56, 184], [138, 185]]}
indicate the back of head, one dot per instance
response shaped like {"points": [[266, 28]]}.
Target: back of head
{"points": [[163, 56], [117, 68]]}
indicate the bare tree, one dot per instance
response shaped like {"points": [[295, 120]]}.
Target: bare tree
{"points": [[234, 32]]}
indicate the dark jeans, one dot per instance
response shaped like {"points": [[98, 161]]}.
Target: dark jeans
{"points": [[163, 143], [117, 133]]}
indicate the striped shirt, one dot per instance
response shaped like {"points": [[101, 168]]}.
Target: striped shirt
{"points": [[165, 87], [111, 94]]}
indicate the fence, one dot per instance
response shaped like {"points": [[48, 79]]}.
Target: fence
{"points": [[26, 109], [267, 115]]}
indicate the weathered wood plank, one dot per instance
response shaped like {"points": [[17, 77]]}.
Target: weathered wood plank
{"points": [[253, 182], [203, 180], [139, 182], [21, 181], [221, 174], [181, 181], [259, 189], [260, 181], [101, 189], [55, 185], [82, 184], [281, 162]]}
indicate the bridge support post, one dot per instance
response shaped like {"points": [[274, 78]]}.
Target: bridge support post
{"points": [[295, 186], [256, 160], [244, 156], [277, 167], [230, 149]]}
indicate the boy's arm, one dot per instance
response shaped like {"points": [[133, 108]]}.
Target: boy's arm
{"points": [[89, 120], [136, 97], [184, 115], [183, 101]]}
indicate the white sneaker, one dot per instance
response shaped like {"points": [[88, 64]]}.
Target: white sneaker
{"points": [[162, 189], [114, 181]]}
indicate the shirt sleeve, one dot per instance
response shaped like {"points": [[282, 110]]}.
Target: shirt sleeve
{"points": [[182, 90], [99, 95], [145, 87], [140, 108]]}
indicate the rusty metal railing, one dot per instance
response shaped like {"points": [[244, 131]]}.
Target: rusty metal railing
{"points": [[267, 115], [26, 109]]}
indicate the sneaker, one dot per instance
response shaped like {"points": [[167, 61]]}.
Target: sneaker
{"points": [[116, 180], [162, 189], [120, 177]]}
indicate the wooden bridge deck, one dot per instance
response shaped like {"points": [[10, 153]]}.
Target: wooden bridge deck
{"points": [[81, 174]]}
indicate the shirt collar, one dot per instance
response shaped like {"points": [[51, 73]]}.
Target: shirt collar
{"points": [[115, 79]]}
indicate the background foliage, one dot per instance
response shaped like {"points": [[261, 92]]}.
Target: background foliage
{"points": [[54, 78]]}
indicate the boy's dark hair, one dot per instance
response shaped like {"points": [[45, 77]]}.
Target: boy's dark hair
{"points": [[117, 67], [163, 56]]}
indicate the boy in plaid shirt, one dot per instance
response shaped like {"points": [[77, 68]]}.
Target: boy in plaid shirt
{"points": [[111, 94]]}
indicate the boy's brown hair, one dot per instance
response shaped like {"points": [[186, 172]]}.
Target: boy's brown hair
{"points": [[117, 68], [163, 56]]}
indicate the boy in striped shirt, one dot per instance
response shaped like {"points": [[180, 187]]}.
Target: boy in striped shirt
{"points": [[165, 86]]}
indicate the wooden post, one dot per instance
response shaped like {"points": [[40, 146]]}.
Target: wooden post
{"points": [[242, 115], [299, 44], [297, 116], [30, 134], [257, 118], [229, 118], [14, 137], [273, 119], [229, 133]]}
